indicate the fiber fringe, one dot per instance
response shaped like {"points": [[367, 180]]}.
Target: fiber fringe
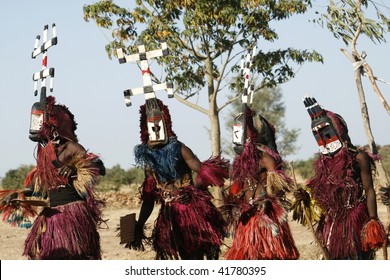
{"points": [[213, 172], [181, 230], [162, 161], [245, 166], [263, 234], [87, 172], [312, 209], [373, 235], [231, 212], [16, 213], [277, 181], [336, 189], [51, 238], [47, 176]]}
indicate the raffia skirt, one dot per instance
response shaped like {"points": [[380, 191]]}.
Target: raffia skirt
{"points": [[184, 230], [342, 234], [64, 232], [263, 236]]}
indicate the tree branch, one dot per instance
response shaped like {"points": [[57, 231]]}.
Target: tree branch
{"points": [[184, 44], [369, 73], [371, 77], [358, 30], [192, 105]]}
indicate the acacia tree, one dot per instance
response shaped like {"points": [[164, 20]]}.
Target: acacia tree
{"points": [[348, 20], [206, 40]]}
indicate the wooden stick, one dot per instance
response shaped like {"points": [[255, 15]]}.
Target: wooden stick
{"points": [[324, 250]]}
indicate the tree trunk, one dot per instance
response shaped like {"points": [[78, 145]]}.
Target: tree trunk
{"points": [[215, 133], [215, 128], [213, 111], [381, 173]]}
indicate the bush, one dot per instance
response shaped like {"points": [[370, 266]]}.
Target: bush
{"points": [[14, 178], [116, 177]]}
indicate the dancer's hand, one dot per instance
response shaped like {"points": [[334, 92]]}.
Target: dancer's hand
{"points": [[64, 170], [67, 171], [302, 195]]}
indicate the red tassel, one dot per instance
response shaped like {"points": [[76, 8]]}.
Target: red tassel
{"points": [[235, 188], [373, 235]]}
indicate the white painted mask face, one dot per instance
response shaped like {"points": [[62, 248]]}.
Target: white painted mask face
{"points": [[156, 129], [323, 128], [155, 122], [238, 134], [36, 120]]}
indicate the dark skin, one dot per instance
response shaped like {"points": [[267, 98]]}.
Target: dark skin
{"points": [[65, 152], [148, 204], [367, 182]]}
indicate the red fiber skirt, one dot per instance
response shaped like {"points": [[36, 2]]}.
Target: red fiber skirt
{"points": [[186, 230], [264, 237], [64, 232]]}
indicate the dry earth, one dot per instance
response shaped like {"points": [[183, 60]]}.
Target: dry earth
{"points": [[122, 203]]}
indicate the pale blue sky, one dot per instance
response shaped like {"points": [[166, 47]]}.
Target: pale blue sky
{"points": [[92, 86]]}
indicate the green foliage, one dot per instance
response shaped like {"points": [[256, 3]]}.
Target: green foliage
{"points": [[117, 177], [202, 35], [268, 102], [205, 40], [14, 178], [346, 18]]}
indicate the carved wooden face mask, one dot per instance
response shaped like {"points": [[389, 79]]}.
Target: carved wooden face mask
{"points": [[238, 134], [49, 119], [252, 127], [155, 124], [37, 119], [323, 127], [326, 136]]}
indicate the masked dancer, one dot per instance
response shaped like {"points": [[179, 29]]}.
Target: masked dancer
{"points": [[58, 192], [255, 206], [188, 225], [342, 189], [62, 183]]}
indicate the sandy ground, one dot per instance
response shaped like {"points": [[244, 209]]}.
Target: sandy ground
{"points": [[12, 238]]}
